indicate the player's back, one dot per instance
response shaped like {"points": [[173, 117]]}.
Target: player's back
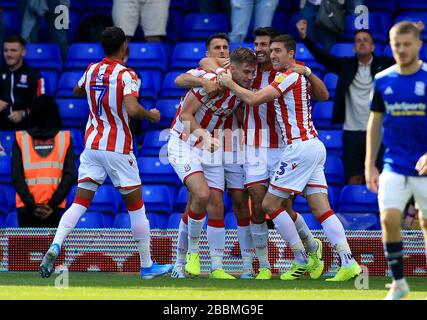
{"points": [[107, 83]]}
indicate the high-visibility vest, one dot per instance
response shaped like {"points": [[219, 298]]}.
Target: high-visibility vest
{"points": [[42, 174]]}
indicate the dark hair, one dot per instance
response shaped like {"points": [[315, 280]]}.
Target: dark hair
{"points": [[112, 38], [287, 40], [243, 55], [266, 31], [216, 36], [405, 27], [364, 31], [15, 38], [45, 113]]}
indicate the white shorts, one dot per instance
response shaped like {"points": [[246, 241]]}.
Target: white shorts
{"points": [[395, 190], [260, 164], [300, 170], [234, 176], [187, 160], [121, 168]]}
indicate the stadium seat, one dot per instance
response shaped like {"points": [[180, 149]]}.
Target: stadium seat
{"points": [[175, 21], [300, 205], [90, 220], [330, 79], [168, 109], [74, 112], [345, 49], [108, 219], [332, 140], [80, 55], [78, 143], [357, 198], [10, 191], [10, 20], [67, 82], [4, 201], [230, 221], [122, 221], [3, 218], [360, 221], [378, 26], [174, 220], [155, 143], [51, 78], [322, 114], [304, 55], [186, 55], [311, 221], [43, 56], [334, 170], [5, 170], [228, 203], [12, 220], [148, 89], [181, 200], [157, 199], [199, 26], [6, 141], [233, 45], [169, 89], [411, 5], [9, 5], [157, 220], [156, 75], [105, 200], [152, 170], [147, 55]]}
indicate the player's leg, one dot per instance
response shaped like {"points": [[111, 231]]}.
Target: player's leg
{"points": [[419, 186], [178, 270]]}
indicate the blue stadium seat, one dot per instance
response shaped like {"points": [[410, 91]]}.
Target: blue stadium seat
{"points": [[411, 5], [108, 219], [330, 79], [4, 201], [357, 198], [7, 4], [199, 26], [5, 170], [67, 82], [382, 5], [168, 109], [6, 141], [345, 49], [10, 195], [334, 170], [228, 203], [12, 220], [10, 20], [304, 55], [230, 221], [322, 114], [174, 220], [332, 140], [157, 220], [155, 142], [78, 143], [300, 205], [360, 221], [147, 55], [148, 89], [156, 75], [311, 221], [157, 199], [181, 200], [175, 21], [51, 78], [379, 24], [80, 55], [169, 89], [122, 221], [233, 45], [74, 112], [3, 218], [186, 55], [105, 200], [44, 56], [90, 220], [152, 170]]}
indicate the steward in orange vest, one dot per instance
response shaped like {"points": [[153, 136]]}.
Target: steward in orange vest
{"points": [[43, 167]]}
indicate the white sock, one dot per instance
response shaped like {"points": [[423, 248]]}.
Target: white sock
{"points": [[335, 232], [141, 233], [182, 243], [216, 240], [286, 227], [68, 222], [194, 230], [246, 246], [305, 234], [260, 240]]}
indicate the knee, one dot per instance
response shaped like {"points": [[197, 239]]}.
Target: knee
{"points": [[201, 195], [267, 206], [388, 223]]}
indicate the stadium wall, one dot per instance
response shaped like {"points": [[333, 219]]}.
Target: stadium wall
{"points": [[114, 250]]}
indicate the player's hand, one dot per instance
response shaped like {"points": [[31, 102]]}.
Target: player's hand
{"points": [[226, 63], [39, 212], [421, 165], [420, 25], [295, 67], [302, 28], [211, 88], [3, 105], [225, 79], [154, 115], [16, 116], [372, 177]]}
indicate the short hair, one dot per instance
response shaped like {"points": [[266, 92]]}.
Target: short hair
{"points": [[364, 31], [15, 38], [243, 55], [405, 27], [216, 36], [287, 40], [45, 113], [112, 38], [266, 31]]}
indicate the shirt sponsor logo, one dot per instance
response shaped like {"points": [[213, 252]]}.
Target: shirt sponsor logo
{"points": [[279, 78], [406, 109], [389, 90], [420, 88]]}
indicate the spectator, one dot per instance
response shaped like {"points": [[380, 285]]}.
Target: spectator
{"points": [[19, 85], [241, 14], [152, 13], [353, 94], [43, 168], [31, 11]]}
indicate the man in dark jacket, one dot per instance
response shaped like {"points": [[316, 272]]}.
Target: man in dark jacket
{"points": [[20, 84], [43, 167], [353, 94]]}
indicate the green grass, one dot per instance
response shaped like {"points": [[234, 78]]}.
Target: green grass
{"points": [[99, 285]]}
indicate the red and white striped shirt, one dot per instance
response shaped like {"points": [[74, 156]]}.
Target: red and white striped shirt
{"points": [[212, 113], [293, 107], [260, 125], [106, 84]]}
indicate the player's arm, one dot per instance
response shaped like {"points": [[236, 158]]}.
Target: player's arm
{"points": [[318, 87], [137, 111], [79, 92], [212, 64], [187, 80]]}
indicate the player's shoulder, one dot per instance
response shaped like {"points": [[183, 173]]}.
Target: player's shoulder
{"points": [[424, 67], [285, 74], [387, 73]]}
